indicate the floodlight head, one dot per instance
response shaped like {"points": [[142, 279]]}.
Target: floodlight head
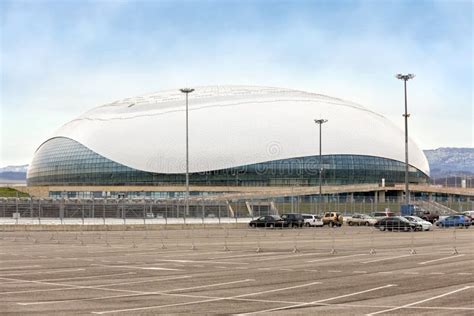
{"points": [[320, 121], [186, 90], [405, 77]]}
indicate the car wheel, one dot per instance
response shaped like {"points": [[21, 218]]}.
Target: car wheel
{"points": [[271, 225], [307, 224], [367, 224], [350, 223], [331, 224], [382, 228], [253, 225]]}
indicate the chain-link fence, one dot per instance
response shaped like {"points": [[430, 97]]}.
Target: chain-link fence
{"points": [[174, 211]]}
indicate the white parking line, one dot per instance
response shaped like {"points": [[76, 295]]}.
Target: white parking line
{"points": [[289, 256], [96, 287], [41, 272], [135, 267], [206, 300], [136, 294], [419, 302], [383, 259], [245, 256], [391, 306], [22, 267], [337, 257], [202, 261], [445, 258], [77, 278], [319, 301]]}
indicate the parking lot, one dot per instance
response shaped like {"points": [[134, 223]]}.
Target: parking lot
{"points": [[228, 270]]}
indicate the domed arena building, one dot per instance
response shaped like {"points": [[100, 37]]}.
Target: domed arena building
{"points": [[238, 136]]}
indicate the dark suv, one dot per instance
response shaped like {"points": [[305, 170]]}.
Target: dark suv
{"points": [[293, 219], [427, 215]]}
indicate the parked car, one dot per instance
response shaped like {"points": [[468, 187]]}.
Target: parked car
{"points": [[379, 215], [455, 221], [269, 221], [427, 215], [361, 219], [311, 220], [424, 224], [293, 219], [469, 214], [397, 223], [150, 215], [333, 219]]}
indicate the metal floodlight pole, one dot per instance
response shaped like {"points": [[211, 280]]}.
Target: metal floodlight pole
{"points": [[187, 91], [405, 78], [320, 122]]}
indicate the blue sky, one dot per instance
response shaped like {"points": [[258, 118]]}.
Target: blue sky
{"points": [[61, 58]]}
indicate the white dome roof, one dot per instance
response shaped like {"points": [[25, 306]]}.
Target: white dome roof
{"points": [[232, 126]]}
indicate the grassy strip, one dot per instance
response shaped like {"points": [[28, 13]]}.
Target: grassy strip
{"points": [[10, 192]]}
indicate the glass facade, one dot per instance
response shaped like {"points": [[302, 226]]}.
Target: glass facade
{"points": [[63, 161]]}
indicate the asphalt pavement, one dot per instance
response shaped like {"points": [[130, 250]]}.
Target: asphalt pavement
{"points": [[220, 270]]}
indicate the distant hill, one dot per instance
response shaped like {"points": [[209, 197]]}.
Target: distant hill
{"points": [[446, 162], [13, 174]]}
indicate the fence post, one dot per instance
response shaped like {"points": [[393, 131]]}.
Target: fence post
{"points": [[61, 210], [144, 212], [39, 211], [93, 209]]}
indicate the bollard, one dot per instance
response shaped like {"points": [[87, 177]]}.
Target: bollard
{"points": [[372, 250], [455, 250], [225, 244], [57, 238], [314, 239], [259, 249], [333, 249], [107, 237], [163, 246], [412, 249], [295, 246]]}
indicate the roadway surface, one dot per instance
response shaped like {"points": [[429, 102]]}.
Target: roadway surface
{"points": [[310, 271]]}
